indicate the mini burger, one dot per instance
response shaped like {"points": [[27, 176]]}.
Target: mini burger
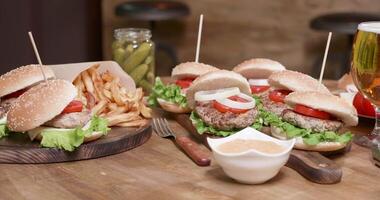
{"points": [[315, 119], [50, 112], [257, 71], [172, 97], [15, 83], [221, 103], [285, 82]]}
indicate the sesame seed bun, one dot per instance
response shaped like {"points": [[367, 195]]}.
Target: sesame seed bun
{"points": [[217, 80], [334, 105], [191, 70], [40, 104], [258, 68], [321, 147], [23, 77], [295, 81]]}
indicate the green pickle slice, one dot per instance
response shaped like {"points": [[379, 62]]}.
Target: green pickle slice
{"points": [[137, 57]]}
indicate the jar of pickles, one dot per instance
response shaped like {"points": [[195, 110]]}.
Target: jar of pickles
{"points": [[133, 49]]}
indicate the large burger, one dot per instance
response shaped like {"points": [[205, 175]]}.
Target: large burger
{"points": [[257, 71], [50, 112], [316, 120], [15, 83], [221, 103], [172, 97]]}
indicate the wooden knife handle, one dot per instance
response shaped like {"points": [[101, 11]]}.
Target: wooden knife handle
{"points": [[192, 149], [315, 167]]}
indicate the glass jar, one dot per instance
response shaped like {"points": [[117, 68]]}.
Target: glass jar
{"points": [[133, 49]]}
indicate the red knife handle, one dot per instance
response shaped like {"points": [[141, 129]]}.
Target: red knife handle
{"points": [[192, 149]]}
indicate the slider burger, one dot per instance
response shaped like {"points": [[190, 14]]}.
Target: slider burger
{"points": [[15, 83], [221, 103], [49, 112], [285, 82], [315, 119], [172, 97], [257, 71]]}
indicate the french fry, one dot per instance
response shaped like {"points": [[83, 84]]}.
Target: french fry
{"points": [[88, 82], [107, 76], [98, 108], [126, 117], [145, 111], [116, 93], [136, 123], [107, 94]]}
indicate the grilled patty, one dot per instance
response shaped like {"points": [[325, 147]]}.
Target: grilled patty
{"points": [[315, 124], [5, 106], [271, 106], [224, 121], [70, 120]]}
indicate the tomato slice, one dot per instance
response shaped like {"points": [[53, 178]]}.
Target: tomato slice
{"points": [[258, 88], [363, 106], [304, 110], [74, 106], [185, 82], [14, 94], [223, 108], [278, 95]]}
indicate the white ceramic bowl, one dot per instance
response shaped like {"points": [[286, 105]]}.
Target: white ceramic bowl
{"points": [[252, 166]]}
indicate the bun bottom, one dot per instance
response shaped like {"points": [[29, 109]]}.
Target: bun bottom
{"points": [[321, 147], [172, 107]]}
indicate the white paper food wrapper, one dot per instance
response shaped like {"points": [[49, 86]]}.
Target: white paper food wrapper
{"points": [[72, 70]]}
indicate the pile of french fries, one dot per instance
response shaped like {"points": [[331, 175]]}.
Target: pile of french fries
{"points": [[106, 97]]}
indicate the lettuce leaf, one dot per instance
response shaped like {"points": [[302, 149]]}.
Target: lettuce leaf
{"points": [[69, 139], [309, 137], [4, 131], [171, 93]]}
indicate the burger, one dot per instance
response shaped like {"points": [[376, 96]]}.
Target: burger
{"points": [[285, 82], [221, 103], [15, 83], [49, 112], [257, 71], [315, 119], [172, 97]]}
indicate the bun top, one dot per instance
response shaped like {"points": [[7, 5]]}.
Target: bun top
{"points": [[217, 80], [23, 77], [40, 104], [258, 68], [334, 105], [296, 81], [191, 70]]}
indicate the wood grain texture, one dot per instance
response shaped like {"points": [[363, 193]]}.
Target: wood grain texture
{"points": [[17, 148]]}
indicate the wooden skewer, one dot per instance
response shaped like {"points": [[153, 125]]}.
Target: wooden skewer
{"points": [[37, 54], [199, 38], [325, 57]]}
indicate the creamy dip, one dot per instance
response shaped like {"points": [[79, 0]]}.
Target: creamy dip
{"points": [[240, 145]]}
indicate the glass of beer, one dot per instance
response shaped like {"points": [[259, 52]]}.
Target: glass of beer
{"points": [[365, 70]]}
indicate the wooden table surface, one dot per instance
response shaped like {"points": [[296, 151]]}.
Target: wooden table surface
{"points": [[159, 170]]}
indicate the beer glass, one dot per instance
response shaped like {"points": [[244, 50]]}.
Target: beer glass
{"points": [[365, 70]]}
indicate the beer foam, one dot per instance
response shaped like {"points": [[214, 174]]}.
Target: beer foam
{"points": [[370, 27]]}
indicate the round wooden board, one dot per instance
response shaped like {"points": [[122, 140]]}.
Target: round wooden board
{"points": [[17, 148]]}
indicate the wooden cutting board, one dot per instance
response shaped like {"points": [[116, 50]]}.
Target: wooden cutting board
{"points": [[311, 165], [17, 148]]}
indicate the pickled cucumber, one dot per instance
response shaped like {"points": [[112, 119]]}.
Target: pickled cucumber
{"points": [[148, 60], [128, 50], [139, 72], [147, 86], [117, 44], [137, 57], [150, 77], [119, 55]]}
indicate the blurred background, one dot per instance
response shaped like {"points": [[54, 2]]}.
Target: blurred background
{"points": [[293, 32]]}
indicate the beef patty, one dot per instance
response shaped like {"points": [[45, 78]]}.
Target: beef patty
{"points": [[5, 106], [271, 106], [306, 122], [70, 120], [224, 121]]}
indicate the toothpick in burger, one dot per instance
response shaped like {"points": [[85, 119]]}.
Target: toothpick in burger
{"points": [[172, 97], [51, 113], [14, 83], [315, 119], [257, 71], [221, 103]]}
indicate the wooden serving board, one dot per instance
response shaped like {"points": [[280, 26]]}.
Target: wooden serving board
{"points": [[17, 148], [311, 165]]}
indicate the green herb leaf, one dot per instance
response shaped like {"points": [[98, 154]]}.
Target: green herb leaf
{"points": [[171, 93]]}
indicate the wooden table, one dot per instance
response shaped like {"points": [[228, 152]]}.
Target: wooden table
{"points": [[158, 170]]}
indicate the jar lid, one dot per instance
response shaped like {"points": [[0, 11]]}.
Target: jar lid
{"points": [[132, 33]]}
